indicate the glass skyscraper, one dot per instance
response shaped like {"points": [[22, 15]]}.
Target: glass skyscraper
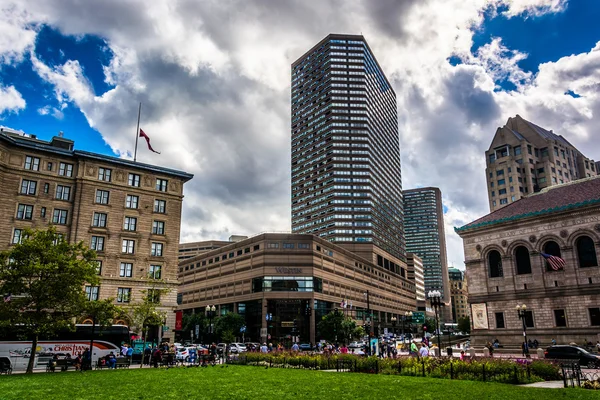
{"points": [[425, 237], [346, 178]]}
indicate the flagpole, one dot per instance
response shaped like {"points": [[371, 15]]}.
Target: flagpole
{"points": [[137, 132]]}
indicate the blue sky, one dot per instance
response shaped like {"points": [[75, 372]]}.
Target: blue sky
{"points": [[214, 81]]}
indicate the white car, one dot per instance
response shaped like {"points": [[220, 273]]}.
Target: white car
{"points": [[237, 348], [183, 353]]}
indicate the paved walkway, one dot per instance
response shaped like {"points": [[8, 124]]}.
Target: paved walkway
{"points": [[547, 385]]}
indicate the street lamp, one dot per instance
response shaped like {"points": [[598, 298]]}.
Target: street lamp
{"points": [[435, 298], [407, 317], [211, 312], [522, 312], [394, 319]]}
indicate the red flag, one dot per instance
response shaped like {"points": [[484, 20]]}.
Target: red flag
{"points": [[143, 134]]}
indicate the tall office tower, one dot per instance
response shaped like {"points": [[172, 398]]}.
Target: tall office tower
{"points": [[346, 180], [424, 230], [525, 158]]}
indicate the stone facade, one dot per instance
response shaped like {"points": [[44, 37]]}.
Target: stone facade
{"points": [[458, 294], [563, 304], [72, 190]]}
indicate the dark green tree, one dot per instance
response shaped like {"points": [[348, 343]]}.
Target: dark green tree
{"points": [[338, 328], [189, 322], [146, 313], [228, 326], [45, 277], [464, 325], [430, 324], [102, 313]]}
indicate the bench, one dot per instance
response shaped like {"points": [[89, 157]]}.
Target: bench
{"points": [[62, 364], [5, 366], [122, 362]]}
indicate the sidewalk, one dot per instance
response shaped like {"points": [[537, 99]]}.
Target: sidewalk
{"points": [[547, 385]]}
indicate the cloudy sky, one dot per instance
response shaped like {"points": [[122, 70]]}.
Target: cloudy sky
{"points": [[214, 80]]}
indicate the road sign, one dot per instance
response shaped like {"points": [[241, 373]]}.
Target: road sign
{"points": [[418, 317], [165, 328], [197, 330], [263, 332]]}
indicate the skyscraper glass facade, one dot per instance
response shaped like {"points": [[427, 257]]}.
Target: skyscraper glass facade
{"points": [[346, 177], [424, 230]]}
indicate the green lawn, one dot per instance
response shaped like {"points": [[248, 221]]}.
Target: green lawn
{"points": [[239, 382]]}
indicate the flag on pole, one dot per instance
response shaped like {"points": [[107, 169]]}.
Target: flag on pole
{"points": [[556, 263], [7, 298], [143, 134]]}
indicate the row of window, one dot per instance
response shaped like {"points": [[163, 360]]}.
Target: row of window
{"points": [[584, 246], [127, 246], [25, 212], [129, 223], [560, 318], [126, 270], [123, 294], [104, 174]]}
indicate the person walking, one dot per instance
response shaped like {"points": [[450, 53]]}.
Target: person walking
{"points": [[295, 347], [264, 348], [424, 351], [414, 350]]}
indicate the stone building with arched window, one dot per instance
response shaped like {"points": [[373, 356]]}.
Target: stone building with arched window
{"points": [[505, 267]]}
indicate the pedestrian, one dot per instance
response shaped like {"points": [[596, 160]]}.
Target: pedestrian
{"points": [[124, 350], [554, 342], [147, 354], [424, 351], [462, 355], [525, 349], [129, 354], [156, 357], [295, 347], [414, 350], [344, 349]]}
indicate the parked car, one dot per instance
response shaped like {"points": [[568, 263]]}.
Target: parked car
{"points": [[566, 352], [183, 353], [221, 348], [237, 348], [357, 345], [251, 346], [305, 347], [202, 349]]}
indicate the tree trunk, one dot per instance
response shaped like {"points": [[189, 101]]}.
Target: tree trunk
{"points": [[34, 343]]}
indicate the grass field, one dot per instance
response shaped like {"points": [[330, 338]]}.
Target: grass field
{"points": [[238, 382]]}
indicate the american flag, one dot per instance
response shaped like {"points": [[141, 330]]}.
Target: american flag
{"points": [[7, 298], [556, 263]]}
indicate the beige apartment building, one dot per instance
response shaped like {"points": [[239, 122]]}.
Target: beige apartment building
{"points": [[524, 158], [129, 212], [459, 294], [505, 267], [281, 281]]}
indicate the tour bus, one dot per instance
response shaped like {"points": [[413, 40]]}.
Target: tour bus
{"points": [[17, 351]]}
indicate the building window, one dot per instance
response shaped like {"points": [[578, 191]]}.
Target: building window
{"points": [[495, 264], [273, 245], [560, 318], [154, 272], [303, 246], [501, 191], [130, 224], [60, 217], [49, 166], [104, 174], [98, 267], [24, 211], [153, 295], [523, 261], [128, 246], [517, 150], [32, 163], [17, 236], [586, 252], [594, 316], [126, 270], [158, 227], [529, 319], [288, 245], [123, 295], [132, 201], [91, 292], [160, 206], [134, 180], [552, 248], [161, 184], [102, 196], [500, 320], [99, 220], [500, 172], [501, 182], [97, 243], [28, 187], [503, 201], [156, 249], [63, 192], [65, 169]]}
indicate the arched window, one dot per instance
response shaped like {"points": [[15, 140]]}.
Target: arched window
{"points": [[586, 252], [523, 261], [495, 264], [553, 249]]}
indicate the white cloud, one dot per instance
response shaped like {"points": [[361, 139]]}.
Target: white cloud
{"points": [[10, 100], [213, 78]]}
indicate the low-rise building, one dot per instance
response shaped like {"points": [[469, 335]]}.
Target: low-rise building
{"points": [[506, 266]]}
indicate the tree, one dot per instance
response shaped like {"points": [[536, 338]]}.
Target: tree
{"points": [[145, 313], [102, 313], [337, 327], [43, 276], [431, 325], [464, 325], [189, 322], [228, 326]]}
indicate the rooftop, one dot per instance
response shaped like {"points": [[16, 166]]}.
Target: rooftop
{"points": [[65, 147], [553, 199]]}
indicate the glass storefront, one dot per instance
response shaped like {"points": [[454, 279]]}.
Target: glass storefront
{"points": [[287, 284]]}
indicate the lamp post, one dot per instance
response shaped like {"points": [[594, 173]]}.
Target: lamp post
{"points": [[369, 323], [522, 312], [211, 312], [394, 319], [435, 298], [406, 318]]}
